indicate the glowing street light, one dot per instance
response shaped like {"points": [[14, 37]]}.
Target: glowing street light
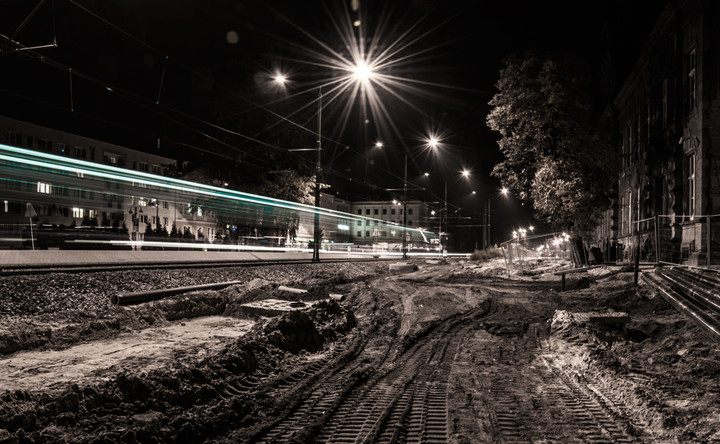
{"points": [[362, 74]]}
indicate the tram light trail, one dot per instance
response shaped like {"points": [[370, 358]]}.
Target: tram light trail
{"points": [[23, 168]]}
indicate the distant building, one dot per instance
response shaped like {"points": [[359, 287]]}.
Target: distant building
{"points": [[110, 204], [668, 119]]}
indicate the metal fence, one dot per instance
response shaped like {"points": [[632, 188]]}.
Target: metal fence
{"points": [[672, 239], [552, 247]]}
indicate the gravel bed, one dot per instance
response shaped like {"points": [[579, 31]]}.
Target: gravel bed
{"points": [[87, 295]]}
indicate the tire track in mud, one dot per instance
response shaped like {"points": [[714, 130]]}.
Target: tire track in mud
{"points": [[529, 397], [405, 401]]}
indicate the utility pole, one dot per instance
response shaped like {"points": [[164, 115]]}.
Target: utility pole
{"points": [[318, 172], [405, 198]]}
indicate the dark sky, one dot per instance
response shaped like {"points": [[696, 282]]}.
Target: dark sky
{"points": [[192, 72]]}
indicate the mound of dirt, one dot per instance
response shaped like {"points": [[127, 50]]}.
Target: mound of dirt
{"points": [[178, 404]]}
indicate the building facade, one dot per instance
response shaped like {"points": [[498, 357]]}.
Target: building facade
{"points": [[667, 117], [80, 202]]}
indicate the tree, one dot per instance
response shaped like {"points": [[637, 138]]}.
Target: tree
{"points": [[555, 155]]}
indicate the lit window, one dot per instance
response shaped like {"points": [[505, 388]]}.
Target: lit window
{"points": [[78, 212], [7, 206], [44, 188]]}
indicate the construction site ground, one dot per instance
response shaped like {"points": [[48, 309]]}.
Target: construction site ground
{"points": [[459, 352]]}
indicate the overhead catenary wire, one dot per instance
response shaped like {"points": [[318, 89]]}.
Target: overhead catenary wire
{"points": [[145, 102]]}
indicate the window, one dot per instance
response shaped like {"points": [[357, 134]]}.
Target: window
{"points": [[367, 223], [648, 122], [14, 138], [410, 223], [44, 188], [80, 152], [376, 211], [359, 223], [7, 206], [156, 169], [367, 211], [664, 102], [638, 131], [691, 80], [628, 207], [367, 234], [359, 211], [630, 143], [359, 234], [45, 145], [392, 211], [92, 214], [691, 185], [78, 212], [165, 221], [384, 211], [143, 167], [410, 211]]}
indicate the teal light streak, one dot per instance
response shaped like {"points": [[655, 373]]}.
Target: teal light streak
{"points": [[44, 160]]}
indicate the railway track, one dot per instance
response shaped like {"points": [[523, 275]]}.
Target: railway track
{"points": [[32, 269]]}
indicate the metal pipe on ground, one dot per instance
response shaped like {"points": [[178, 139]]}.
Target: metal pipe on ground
{"points": [[675, 299], [292, 290], [698, 292], [711, 283], [140, 297]]}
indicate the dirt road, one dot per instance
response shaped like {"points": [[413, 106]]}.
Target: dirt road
{"points": [[450, 353]]}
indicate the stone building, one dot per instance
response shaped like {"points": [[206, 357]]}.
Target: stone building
{"points": [[667, 116]]}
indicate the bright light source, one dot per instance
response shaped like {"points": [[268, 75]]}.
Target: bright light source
{"points": [[466, 173], [474, 192], [280, 79], [433, 142], [362, 71], [427, 174], [504, 190], [378, 144]]}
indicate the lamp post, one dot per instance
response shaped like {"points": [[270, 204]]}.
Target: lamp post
{"points": [[405, 198], [361, 72], [318, 172], [280, 79], [488, 227]]}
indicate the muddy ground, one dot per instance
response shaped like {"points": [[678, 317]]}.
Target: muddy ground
{"points": [[455, 352]]}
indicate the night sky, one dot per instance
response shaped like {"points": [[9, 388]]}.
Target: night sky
{"points": [[197, 75]]}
